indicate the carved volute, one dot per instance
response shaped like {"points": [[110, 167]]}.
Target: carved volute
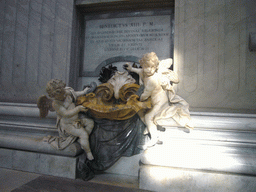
{"points": [[119, 80]]}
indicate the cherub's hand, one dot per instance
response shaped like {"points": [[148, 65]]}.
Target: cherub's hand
{"points": [[143, 97], [90, 88], [86, 89], [128, 66], [82, 108]]}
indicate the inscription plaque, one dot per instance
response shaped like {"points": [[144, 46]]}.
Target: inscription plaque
{"points": [[125, 37]]}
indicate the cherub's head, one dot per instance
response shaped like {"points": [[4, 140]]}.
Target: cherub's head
{"points": [[149, 62], [55, 89]]}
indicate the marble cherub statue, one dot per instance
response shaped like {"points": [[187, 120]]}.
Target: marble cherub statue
{"points": [[167, 107], [71, 124]]}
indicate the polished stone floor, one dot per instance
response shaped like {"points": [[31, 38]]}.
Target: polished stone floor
{"points": [[11, 180]]}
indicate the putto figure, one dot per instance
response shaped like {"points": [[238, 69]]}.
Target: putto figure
{"points": [[71, 125], [168, 109]]}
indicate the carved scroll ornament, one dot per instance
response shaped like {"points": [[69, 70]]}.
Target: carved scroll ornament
{"points": [[102, 103]]}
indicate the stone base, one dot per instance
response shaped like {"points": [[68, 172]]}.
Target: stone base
{"points": [[55, 165], [218, 155], [158, 178], [126, 166]]}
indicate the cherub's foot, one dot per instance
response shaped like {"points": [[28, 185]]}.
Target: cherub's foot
{"points": [[47, 138], [160, 128], [186, 130], [145, 132], [189, 126], [153, 142], [159, 142], [90, 156]]}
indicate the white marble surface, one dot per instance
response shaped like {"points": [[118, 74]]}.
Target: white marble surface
{"points": [[164, 179], [215, 156], [182, 153], [219, 142]]}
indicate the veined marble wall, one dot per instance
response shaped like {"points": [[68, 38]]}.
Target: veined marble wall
{"points": [[35, 41], [216, 69]]}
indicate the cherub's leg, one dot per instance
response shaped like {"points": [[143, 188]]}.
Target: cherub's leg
{"points": [[141, 114], [151, 127], [83, 139], [89, 124]]}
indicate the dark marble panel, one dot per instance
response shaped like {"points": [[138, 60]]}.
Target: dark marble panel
{"points": [[8, 43], [6, 158], [19, 64], [46, 42], [61, 41], [43, 183], [2, 16], [33, 49], [35, 43]]}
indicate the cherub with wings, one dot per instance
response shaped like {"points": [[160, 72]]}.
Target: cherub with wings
{"points": [[70, 125], [157, 79]]}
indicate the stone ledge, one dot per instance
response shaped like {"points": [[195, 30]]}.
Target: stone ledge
{"points": [[220, 142], [191, 155], [27, 126], [216, 150], [21, 109], [37, 145]]}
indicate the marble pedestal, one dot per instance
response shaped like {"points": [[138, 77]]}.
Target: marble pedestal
{"points": [[167, 179], [22, 146], [34, 162], [218, 155]]}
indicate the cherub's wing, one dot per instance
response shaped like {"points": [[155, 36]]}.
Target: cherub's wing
{"points": [[171, 76], [165, 65], [45, 105], [168, 75]]}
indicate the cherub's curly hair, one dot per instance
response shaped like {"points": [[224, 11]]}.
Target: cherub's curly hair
{"points": [[54, 87], [149, 58]]}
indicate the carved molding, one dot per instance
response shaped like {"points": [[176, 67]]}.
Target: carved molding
{"points": [[21, 109], [24, 118]]}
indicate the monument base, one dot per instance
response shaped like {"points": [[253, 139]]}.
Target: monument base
{"points": [[47, 164], [158, 178], [218, 155]]}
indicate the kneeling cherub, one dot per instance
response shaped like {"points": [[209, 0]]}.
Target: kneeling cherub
{"points": [[69, 123]]}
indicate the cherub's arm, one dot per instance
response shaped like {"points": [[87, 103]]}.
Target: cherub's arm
{"points": [[132, 69], [81, 93], [88, 89], [62, 111], [139, 71], [136, 70]]}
